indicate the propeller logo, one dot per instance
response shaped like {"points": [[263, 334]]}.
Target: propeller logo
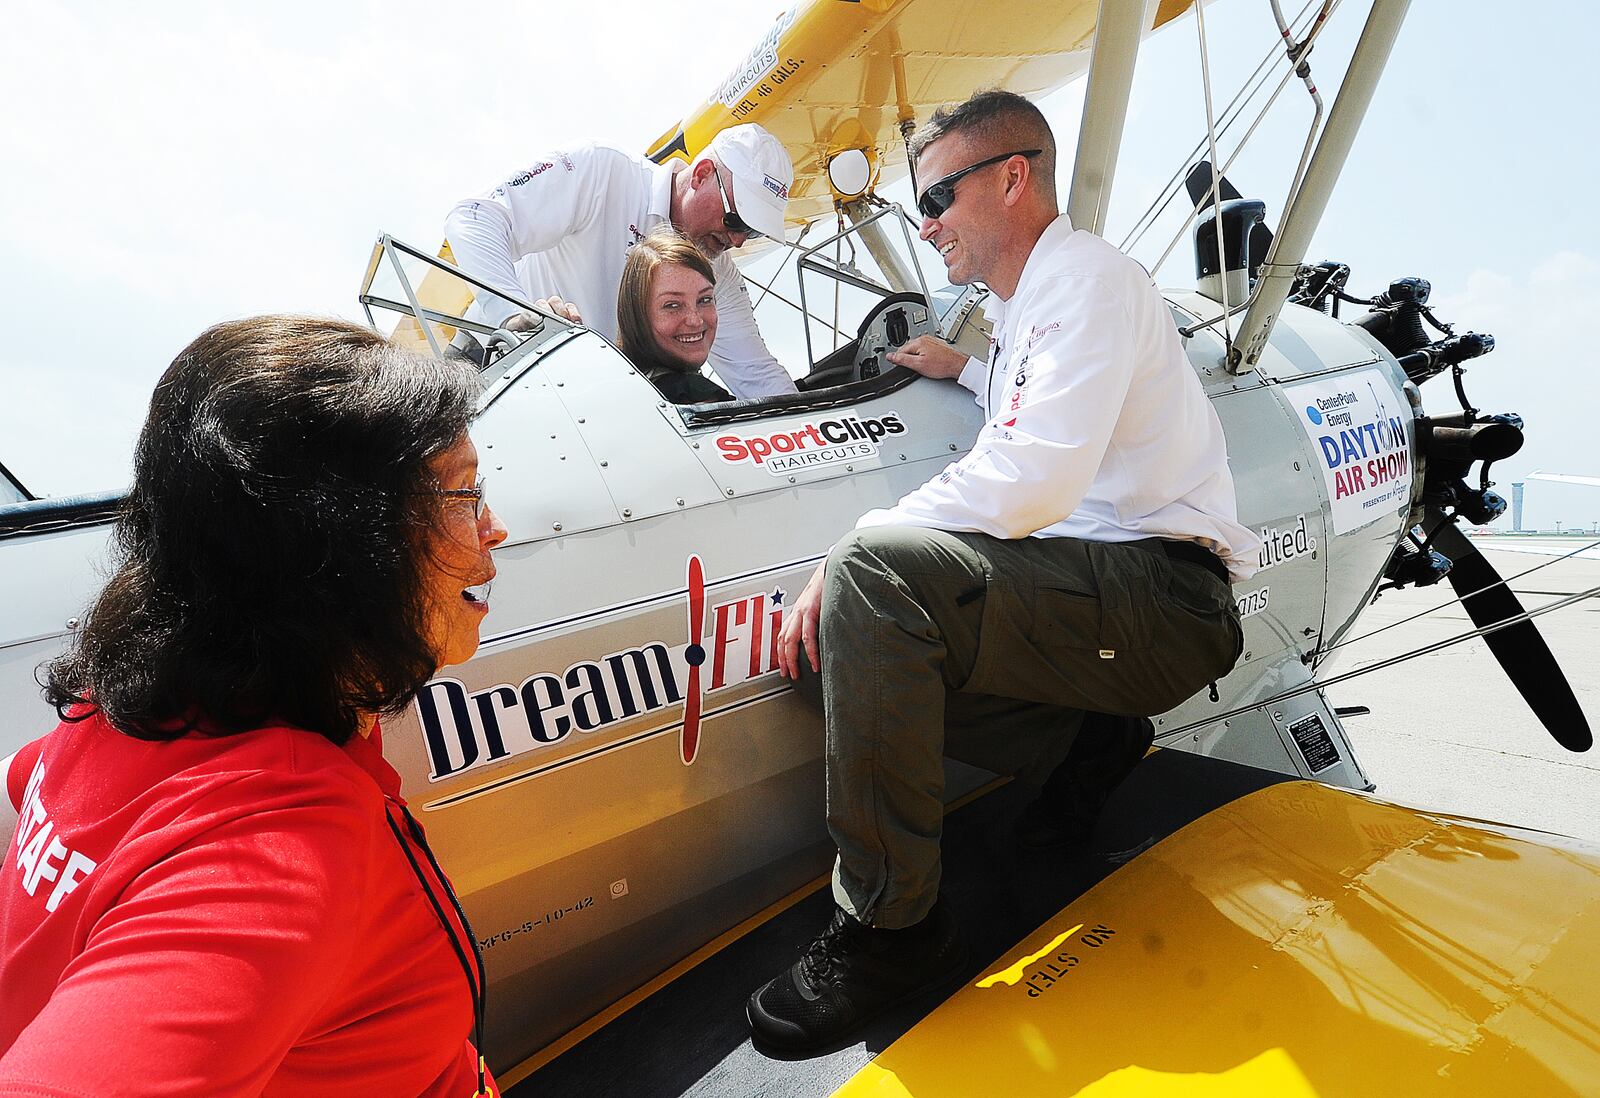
{"points": [[695, 655]]}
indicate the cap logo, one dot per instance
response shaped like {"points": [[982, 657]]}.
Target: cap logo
{"points": [[776, 187]]}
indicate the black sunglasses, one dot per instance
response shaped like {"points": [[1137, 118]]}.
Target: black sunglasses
{"points": [[941, 193], [730, 217]]}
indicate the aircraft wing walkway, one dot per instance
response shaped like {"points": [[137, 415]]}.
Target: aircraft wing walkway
{"points": [[690, 1037]]}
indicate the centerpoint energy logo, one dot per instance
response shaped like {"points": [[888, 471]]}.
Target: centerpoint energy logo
{"points": [[1356, 425], [464, 728], [810, 445]]}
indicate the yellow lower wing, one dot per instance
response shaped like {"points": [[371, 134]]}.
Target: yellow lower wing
{"points": [[1299, 941]]}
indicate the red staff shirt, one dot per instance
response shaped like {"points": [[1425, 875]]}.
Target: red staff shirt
{"points": [[223, 915]]}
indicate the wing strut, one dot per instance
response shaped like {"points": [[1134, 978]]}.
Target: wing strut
{"points": [[1105, 110], [1301, 219]]}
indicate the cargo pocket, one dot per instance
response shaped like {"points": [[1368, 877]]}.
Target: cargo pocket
{"points": [[1065, 619], [1127, 581]]}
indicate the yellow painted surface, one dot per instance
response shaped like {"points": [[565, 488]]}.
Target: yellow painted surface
{"points": [[831, 75], [838, 74], [440, 292], [1301, 941]]}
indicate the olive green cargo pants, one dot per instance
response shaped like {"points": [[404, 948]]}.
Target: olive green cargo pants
{"points": [[990, 651]]}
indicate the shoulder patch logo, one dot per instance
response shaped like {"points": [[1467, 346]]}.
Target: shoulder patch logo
{"points": [[1038, 333]]}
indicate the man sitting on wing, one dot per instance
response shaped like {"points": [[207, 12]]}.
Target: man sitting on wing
{"points": [[1076, 561], [558, 233]]}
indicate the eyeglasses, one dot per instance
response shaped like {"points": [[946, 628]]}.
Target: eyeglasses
{"points": [[474, 494], [941, 193], [730, 217]]}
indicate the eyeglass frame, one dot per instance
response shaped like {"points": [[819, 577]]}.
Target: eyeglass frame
{"points": [[475, 495], [730, 215], [934, 207]]}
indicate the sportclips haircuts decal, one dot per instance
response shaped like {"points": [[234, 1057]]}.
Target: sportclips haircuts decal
{"points": [[463, 729], [810, 445], [1355, 425]]}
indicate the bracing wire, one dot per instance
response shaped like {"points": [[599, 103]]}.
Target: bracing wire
{"points": [[1231, 113], [793, 249], [1456, 601], [1426, 649], [766, 287], [1216, 175]]}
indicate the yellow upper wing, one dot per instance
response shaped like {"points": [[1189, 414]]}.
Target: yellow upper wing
{"points": [[832, 75]]}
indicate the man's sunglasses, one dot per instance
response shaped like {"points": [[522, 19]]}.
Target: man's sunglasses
{"points": [[730, 217], [941, 193]]}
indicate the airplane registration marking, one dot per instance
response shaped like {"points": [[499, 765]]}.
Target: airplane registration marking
{"points": [[527, 926]]}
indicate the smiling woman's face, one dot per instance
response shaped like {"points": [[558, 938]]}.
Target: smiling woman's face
{"points": [[457, 567], [683, 315]]}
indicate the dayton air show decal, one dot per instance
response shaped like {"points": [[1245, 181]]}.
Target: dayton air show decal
{"points": [[463, 729], [1356, 424]]}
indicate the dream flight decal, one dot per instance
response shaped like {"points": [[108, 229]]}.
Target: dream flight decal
{"points": [[597, 699]]}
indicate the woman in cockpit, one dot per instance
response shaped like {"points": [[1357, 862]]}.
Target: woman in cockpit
{"points": [[667, 316]]}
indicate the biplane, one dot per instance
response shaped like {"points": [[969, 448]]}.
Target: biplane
{"points": [[629, 798]]}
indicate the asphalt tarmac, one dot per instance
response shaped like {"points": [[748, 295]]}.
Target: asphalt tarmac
{"points": [[1448, 731]]}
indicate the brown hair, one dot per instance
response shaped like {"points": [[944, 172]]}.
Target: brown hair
{"points": [[996, 121], [635, 336]]}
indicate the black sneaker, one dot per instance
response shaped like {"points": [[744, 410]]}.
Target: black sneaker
{"points": [[852, 974], [1106, 751]]}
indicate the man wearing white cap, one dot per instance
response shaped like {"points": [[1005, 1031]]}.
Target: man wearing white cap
{"points": [[558, 233]]}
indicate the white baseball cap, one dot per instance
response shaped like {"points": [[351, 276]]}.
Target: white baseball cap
{"points": [[762, 174]]}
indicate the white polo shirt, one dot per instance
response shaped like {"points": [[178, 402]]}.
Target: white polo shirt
{"points": [[1098, 427], [564, 226]]}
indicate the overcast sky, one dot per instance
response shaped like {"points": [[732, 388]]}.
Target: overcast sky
{"points": [[171, 165]]}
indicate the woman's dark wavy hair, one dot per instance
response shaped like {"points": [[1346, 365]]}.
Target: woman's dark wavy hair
{"points": [[271, 552]]}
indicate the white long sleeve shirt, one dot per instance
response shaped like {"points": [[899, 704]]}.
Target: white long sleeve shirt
{"points": [[564, 226], [1097, 425]]}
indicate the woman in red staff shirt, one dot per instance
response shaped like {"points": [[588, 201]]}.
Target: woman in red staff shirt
{"points": [[214, 886]]}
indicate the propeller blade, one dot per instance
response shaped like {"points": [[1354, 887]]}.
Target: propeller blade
{"points": [[689, 742], [1198, 183], [689, 745], [1522, 652]]}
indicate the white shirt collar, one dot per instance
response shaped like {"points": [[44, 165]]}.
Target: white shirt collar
{"points": [[1055, 234], [661, 189]]}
